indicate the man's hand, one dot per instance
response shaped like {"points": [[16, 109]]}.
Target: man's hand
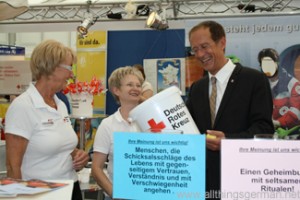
{"points": [[213, 139]]}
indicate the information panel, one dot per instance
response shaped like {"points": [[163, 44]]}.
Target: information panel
{"points": [[15, 76], [260, 169], [91, 62], [159, 166]]}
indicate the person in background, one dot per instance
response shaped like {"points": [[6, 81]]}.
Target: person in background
{"points": [[125, 84], [285, 90], [40, 140], [64, 99], [147, 89], [243, 99]]}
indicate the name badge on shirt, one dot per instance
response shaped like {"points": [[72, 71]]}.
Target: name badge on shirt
{"points": [[67, 119], [48, 122]]}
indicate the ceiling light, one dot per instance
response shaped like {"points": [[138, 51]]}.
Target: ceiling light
{"points": [[11, 8], [155, 21], [85, 25], [88, 21], [143, 10], [112, 15]]}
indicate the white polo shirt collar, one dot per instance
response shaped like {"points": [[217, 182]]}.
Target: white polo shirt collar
{"points": [[225, 72], [119, 116], [36, 97]]}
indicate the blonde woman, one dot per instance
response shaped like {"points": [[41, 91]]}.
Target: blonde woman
{"points": [[40, 140], [125, 84]]}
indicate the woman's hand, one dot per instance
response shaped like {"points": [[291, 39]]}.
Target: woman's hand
{"points": [[80, 159]]}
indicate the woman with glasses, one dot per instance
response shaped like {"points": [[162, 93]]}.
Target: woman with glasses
{"points": [[40, 140], [125, 84]]}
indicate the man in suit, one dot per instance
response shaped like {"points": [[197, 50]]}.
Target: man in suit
{"points": [[243, 104]]}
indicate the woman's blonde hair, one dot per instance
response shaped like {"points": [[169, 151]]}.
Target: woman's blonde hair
{"points": [[47, 56], [118, 75]]}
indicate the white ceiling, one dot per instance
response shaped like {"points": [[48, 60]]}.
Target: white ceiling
{"points": [[68, 2], [75, 10]]}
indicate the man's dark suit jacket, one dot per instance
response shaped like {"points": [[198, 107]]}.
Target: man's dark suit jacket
{"points": [[245, 110]]}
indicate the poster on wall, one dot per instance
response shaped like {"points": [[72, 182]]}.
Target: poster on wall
{"points": [[165, 72], [15, 77], [91, 62], [285, 87], [260, 169]]}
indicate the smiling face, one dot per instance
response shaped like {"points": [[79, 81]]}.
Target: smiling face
{"points": [[130, 90], [210, 53]]}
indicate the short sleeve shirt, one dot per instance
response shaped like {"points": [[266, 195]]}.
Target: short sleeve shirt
{"points": [[103, 142], [51, 137]]}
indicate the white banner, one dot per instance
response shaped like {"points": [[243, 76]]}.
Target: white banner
{"points": [[15, 76]]}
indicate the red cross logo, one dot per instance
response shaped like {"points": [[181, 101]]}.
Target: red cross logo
{"points": [[156, 127]]}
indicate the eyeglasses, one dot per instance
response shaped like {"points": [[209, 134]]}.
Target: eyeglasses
{"points": [[131, 85], [67, 67], [203, 47]]}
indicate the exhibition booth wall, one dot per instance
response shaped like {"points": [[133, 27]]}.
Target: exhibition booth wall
{"points": [[129, 42]]}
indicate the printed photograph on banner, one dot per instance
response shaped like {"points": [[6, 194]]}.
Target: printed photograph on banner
{"points": [[282, 71], [165, 72], [290, 60]]}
